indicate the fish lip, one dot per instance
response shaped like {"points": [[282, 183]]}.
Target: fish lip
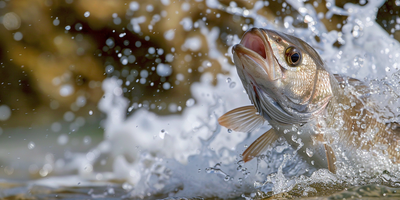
{"points": [[255, 40], [264, 59], [243, 48], [246, 52]]}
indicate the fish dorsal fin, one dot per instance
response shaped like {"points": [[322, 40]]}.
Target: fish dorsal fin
{"points": [[242, 119], [359, 86], [260, 145], [352, 81], [330, 158]]}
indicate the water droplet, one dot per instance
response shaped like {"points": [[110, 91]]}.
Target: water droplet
{"points": [[308, 19], [66, 90], [18, 36], [56, 22], [286, 131], [162, 133], [164, 70], [5, 112], [69, 116], [134, 6], [87, 140], [86, 14], [110, 191], [11, 21], [62, 139], [190, 102], [228, 80], [358, 61], [229, 130], [151, 50], [31, 145], [227, 178], [357, 31], [294, 138], [78, 27], [56, 127], [245, 175], [240, 162], [166, 86], [309, 152], [244, 169], [232, 84], [90, 112]]}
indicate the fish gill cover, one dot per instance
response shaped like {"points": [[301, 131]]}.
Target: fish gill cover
{"points": [[190, 154]]}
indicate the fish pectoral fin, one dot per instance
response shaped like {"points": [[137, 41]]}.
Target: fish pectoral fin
{"points": [[330, 158], [242, 119], [260, 145]]}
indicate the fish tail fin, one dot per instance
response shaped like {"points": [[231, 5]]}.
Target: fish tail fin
{"points": [[330, 158]]}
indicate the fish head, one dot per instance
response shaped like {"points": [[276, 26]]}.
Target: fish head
{"points": [[284, 77]]}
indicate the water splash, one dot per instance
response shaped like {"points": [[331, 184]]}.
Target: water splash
{"points": [[190, 154]]}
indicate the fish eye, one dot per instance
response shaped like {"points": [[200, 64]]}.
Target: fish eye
{"points": [[293, 56]]}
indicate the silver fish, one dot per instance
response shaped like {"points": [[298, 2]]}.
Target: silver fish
{"points": [[317, 112]]}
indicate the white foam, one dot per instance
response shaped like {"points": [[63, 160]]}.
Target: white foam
{"points": [[157, 154]]}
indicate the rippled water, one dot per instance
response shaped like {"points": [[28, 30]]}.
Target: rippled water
{"points": [[149, 156]]}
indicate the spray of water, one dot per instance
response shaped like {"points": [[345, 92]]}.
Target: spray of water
{"points": [[191, 155]]}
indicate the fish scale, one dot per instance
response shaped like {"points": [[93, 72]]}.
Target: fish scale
{"points": [[326, 118], [378, 132]]}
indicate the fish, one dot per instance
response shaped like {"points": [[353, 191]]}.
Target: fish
{"points": [[318, 113]]}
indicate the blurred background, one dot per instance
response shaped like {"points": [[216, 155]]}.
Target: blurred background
{"points": [[55, 53]]}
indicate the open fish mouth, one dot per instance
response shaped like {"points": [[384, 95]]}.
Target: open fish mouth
{"points": [[254, 60], [263, 76], [256, 55], [254, 40], [256, 65]]}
